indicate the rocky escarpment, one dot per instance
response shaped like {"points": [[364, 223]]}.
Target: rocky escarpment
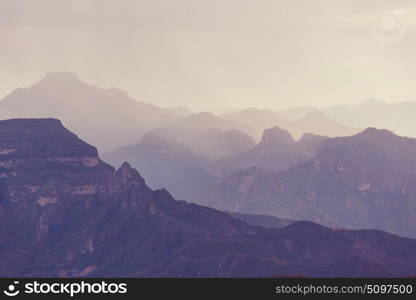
{"points": [[63, 212]]}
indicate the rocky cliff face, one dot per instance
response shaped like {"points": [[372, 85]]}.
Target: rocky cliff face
{"points": [[64, 212], [44, 170]]}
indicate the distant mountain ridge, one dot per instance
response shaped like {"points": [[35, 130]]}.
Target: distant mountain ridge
{"points": [[313, 121], [108, 118], [176, 156], [395, 116], [276, 151]]}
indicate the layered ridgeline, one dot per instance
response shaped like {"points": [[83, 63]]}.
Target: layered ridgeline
{"points": [[396, 116], [64, 212], [94, 113], [202, 149], [176, 157], [364, 181], [312, 121], [277, 151]]}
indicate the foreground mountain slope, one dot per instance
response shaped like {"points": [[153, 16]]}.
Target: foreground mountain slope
{"points": [[107, 118], [364, 181], [64, 212]]}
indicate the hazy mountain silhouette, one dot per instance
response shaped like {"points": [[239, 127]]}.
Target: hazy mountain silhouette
{"points": [[106, 118], [318, 123], [176, 157], [314, 122], [195, 124], [260, 119], [65, 213], [398, 117], [363, 181], [277, 151]]}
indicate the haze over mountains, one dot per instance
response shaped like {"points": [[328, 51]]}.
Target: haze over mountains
{"points": [[79, 217], [91, 111], [106, 118], [207, 138], [313, 122], [277, 151], [109, 118], [175, 157], [363, 181], [259, 166], [395, 116]]}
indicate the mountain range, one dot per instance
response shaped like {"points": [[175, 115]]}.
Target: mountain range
{"points": [[176, 156], [395, 116], [276, 151], [363, 181], [313, 121], [66, 213]]}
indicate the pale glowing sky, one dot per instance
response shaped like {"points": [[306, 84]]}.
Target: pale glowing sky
{"points": [[217, 54]]}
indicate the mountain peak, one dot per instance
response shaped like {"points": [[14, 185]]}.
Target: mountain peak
{"points": [[375, 132], [276, 136], [130, 176], [125, 167]]}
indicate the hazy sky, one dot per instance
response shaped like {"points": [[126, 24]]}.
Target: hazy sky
{"points": [[215, 54]]}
